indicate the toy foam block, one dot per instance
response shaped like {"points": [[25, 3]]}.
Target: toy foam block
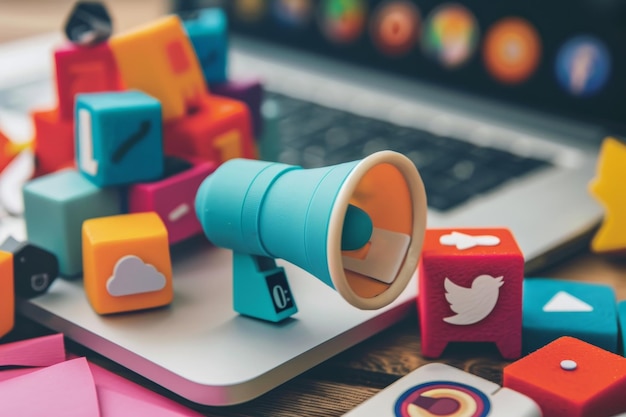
{"points": [[555, 308], [208, 32], [83, 70], [119, 137], [54, 142], [159, 60], [34, 268], [220, 130], [172, 198], [55, 207], [127, 263], [470, 290], [436, 389], [621, 312], [7, 293], [608, 188], [571, 378], [250, 91]]}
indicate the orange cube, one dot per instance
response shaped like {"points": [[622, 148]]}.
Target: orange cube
{"points": [[7, 293], [126, 263], [159, 60]]}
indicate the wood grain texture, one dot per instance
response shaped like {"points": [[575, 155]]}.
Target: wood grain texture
{"points": [[351, 377]]}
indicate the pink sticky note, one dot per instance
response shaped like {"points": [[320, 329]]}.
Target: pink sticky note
{"points": [[63, 390], [41, 351], [116, 404], [109, 381]]}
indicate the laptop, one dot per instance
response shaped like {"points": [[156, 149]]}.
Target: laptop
{"points": [[502, 109]]}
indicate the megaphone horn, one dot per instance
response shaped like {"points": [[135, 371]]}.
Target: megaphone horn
{"points": [[357, 226]]}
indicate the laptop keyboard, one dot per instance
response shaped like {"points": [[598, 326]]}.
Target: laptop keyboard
{"points": [[453, 171]]}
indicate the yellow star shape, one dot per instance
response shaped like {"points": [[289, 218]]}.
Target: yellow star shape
{"points": [[609, 188]]}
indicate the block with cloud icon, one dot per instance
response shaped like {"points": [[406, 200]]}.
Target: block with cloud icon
{"points": [[126, 262], [470, 290]]}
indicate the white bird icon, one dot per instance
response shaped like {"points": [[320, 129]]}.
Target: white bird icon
{"points": [[471, 305]]}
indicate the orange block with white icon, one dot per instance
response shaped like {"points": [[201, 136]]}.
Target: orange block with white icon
{"points": [[159, 60], [608, 188], [7, 293], [220, 130], [126, 263]]}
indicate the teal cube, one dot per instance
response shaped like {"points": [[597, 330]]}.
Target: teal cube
{"points": [[553, 308], [119, 137], [55, 207], [208, 32], [621, 311]]}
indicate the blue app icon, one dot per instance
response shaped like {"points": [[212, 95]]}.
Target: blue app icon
{"points": [[583, 66]]}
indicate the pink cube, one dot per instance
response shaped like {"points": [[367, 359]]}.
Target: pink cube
{"points": [[172, 198], [470, 290]]}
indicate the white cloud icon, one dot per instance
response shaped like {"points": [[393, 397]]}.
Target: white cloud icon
{"points": [[131, 276]]}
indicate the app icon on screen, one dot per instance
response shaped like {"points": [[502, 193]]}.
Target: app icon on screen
{"points": [[342, 21], [249, 10], [512, 50], [443, 398], [395, 27], [450, 35], [583, 66], [293, 14]]}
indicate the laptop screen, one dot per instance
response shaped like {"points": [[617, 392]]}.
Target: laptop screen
{"points": [[561, 57]]}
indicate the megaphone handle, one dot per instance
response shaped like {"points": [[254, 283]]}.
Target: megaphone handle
{"points": [[261, 289]]}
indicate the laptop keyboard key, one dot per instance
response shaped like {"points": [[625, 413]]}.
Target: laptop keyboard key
{"points": [[453, 170]]}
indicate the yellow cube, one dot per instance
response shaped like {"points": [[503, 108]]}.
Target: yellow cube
{"points": [[7, 293], [126, 263], [159, 60], [608, 189]]}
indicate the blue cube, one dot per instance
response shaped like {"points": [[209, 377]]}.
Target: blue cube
{"points": [[55, 207], [621, 311], [119, 137], [208, 33], [553, 308]]}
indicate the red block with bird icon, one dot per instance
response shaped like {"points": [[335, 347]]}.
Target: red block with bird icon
{"points": [[470, 290]]}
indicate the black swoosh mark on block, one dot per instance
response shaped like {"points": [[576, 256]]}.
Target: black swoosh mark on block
{"points": [[128, 144]]}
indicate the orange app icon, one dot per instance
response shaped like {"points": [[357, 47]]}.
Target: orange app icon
{"points": [[395, 27], [512, 50]]}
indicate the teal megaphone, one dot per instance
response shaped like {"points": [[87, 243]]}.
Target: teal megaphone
{"points": [[357, 226]]}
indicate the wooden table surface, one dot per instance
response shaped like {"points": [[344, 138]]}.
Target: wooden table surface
{"points": [[351, 377]]}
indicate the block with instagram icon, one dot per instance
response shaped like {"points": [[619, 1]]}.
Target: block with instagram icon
{"points": [[126, 261], [470, 290]]}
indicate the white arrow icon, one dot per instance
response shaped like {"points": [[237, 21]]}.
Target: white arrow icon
{"points": [[463, 241], [564, 302], [85, 143]]}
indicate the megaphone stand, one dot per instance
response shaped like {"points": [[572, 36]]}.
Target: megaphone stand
{"points": [[261, 289]]}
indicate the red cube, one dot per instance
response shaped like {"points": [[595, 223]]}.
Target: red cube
{"points": [[54, 142], [83, 69], [572, 378], [218, 131], [470, 290]]}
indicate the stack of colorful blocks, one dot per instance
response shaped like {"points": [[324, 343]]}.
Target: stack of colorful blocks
{"points": [[472, 289], [120, 159]]}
